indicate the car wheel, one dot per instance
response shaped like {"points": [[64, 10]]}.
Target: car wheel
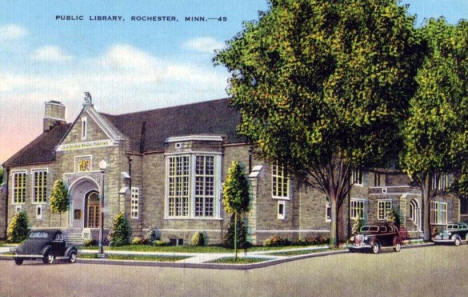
{"points": [[457, 241], [466, 237], [18, 261], [49, 258], [72, 258], [375, 248], [397, 247]]}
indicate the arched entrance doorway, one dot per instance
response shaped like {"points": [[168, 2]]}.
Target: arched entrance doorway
{"points": [[92, 210], [81, 191], [415, 213]]}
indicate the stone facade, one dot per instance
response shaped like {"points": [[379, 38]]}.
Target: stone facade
{"points": [[137, 182]]}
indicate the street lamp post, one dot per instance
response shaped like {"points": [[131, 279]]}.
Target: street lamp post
{"points": [[102, 167]]}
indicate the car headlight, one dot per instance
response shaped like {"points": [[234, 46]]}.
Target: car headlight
{"points": [[351, 238], [449, 233], [366, 237]]}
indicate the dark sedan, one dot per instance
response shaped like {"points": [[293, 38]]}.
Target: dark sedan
{"points": [[46, 245], [374, 237], [453, 233]]}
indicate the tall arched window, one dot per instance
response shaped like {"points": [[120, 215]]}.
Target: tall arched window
{"points": [[413, 211]]}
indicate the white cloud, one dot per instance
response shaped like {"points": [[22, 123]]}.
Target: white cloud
{"points": [[204, 44], [11, 31], [50, 53]]}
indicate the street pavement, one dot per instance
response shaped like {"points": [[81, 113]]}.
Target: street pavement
{"points": [[428, 271]]}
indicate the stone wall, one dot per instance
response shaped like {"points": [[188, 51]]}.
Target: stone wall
{"points": [[2, 212]]}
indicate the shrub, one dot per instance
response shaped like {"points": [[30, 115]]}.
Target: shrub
{"points": [[276, 241], [137, 240], [90, 242], [241, 234], [18, 229], [121, 231], [198, 239], [152, 235], [160, 242], [396, 217], [322, 239], [356, 226]]}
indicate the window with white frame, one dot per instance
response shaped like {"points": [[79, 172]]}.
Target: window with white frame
{"points": [[84, 128], [438, 213], [39, 186], [328, 212], [135, 203], [18, 208], [179, 177], [440, 181], [281, 210], [358, 209], [384, 209], [378, 179], [204, 186], [413, 208], [280, 181], [39, 212], [19, 187], [356, 176]]}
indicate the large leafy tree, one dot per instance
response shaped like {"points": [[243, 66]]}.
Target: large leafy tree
{"points": [[436, 131], [322, 86], [1, 175], [59, 202], [236, 196]]}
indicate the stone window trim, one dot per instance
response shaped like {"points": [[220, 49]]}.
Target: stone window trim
{"points": [[281, 209], [384, 209], [192, 155], [84, 128], [79, 158], [44, 187], [439, 213], [14, 199], [280, 177], [358, 208], [135, 203]]}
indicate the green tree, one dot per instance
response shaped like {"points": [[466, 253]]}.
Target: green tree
{"points": [[18, 229], [436, 131], [1, 175], [236, 196], [322, 87], [59, 201], [121, 230]]}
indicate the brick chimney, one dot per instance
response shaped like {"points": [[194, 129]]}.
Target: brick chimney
{"points": [[54, 114]]}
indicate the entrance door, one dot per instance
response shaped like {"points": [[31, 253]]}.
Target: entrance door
{"points": [[93, 212]]}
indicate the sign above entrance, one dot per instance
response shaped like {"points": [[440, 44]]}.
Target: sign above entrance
{"points": [[85, 145]]}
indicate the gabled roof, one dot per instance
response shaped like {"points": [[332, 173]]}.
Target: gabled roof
{"points": [[41, 149], [148, 130]]}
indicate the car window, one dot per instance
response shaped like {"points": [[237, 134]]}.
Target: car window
{"points": [[383, 229], [39, 235], [369, 229], [58, 237]]}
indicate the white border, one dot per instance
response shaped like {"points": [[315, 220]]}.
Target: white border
{"points": [[12, 176], [194, 137], [46, 170]]}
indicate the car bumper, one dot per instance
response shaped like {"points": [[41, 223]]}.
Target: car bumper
{"points": [[443, 240], [28, 256], [360, 247]]}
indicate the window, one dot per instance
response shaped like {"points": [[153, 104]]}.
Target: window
{"points": [[39, 186], [440, 182], [413, 211], [328, 212], [280, 184], [384, 209], [84, 128], [356, 176], [204, 186], [18, 208], [135, 202], [378, 179], [179, 176], [438, 213], [281, 210], [83, 163], [19, 187], [39, 212], [358, 209]]}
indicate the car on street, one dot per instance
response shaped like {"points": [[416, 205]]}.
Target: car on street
{"points": [[374, 237], [47, 245], [453, 233]]}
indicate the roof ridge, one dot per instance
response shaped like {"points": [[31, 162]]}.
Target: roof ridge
{"points": [[163, 108]]}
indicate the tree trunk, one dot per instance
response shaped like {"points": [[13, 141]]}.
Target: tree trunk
{"points": [[334, 222], [235, 236], [426, 189]]}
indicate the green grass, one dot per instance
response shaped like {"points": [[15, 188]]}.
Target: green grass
{"points": [[159, 258], [191, 249], [231, 260], [300, 252]]}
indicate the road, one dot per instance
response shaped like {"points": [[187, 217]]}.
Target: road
{"points": [[430, 271]]}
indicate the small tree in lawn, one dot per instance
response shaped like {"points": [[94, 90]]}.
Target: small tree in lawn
{"points": [[121, 231], [59, 202], [18, 229], [236, 195]]}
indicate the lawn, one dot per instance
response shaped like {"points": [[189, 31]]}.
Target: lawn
{"points": [[159, 258], [300, 252], [191, 249], [231, 260]]}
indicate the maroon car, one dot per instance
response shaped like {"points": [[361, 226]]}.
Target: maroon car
{"points": [[374, 237]]}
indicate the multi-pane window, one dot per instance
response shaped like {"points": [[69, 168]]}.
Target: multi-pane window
{"points": [[204, 186], [280, 185], [384, 209], [438, 212], [83, 163], [179, 177], [356, 176], [19, 187], [358, 208], [378, 178], [135, 202], [440, 182], [40, 186]]}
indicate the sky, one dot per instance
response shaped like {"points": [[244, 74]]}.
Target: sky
{"points": [[126, 65]]}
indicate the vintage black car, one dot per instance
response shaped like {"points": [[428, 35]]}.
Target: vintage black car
{"points": [[374, 237], [454, 233], [46, 245]]}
